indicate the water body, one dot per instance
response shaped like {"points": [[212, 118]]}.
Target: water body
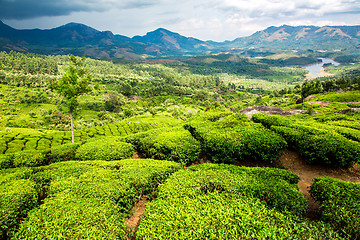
{"points": [[317, 69]]}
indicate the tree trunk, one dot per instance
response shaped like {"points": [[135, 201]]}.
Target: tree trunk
{"points": [[303, 103], [72, 127]]}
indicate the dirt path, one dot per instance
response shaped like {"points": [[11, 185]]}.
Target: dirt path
{"points": [[295, 163], [138, 210]]}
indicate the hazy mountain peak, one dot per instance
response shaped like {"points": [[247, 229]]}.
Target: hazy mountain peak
{"points": [[72, 37]]}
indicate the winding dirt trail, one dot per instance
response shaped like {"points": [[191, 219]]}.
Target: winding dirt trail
{"points": [[138, 210], [295, 163]]}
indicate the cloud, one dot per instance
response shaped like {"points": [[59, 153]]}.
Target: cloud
{"points": [[27, 9], [204, 19]]}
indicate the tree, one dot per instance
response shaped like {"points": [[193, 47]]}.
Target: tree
{"points": [[114, 101], [74, 83], [308, 88]]}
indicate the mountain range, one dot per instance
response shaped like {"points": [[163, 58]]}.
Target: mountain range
{"points": [[79, 39]]}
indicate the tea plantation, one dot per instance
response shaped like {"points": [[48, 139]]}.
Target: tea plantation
{"points": [[142, 132]]}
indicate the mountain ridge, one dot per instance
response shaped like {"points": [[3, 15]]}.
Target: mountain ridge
{"points": [[80, 39]]}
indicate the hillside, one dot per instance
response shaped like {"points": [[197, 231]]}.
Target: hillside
{"points": [[83, 40], [303, 37], [166, 149]]}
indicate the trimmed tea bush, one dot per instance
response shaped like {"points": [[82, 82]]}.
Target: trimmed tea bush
{"points": [[17, 197], [234, 138], [108, 149], [317, 143], [320, 146], [172, 144], [339, 204], [91, 199], [6, 161], [18, 139], [221, 202], [61, 153], [29, 158], [277, 188]]}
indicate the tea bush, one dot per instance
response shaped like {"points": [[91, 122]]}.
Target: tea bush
{"points": [[339, 204], [17, 196], [234, 138], [18, 139], [91, 199], [61, 153], [221, 202], [29, 158], [318, 143], [6, 161], [172, 144], [277, 188], [321, 147], [108, 148]]}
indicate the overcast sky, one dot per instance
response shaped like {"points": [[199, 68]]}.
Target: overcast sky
{"points": [[217, 20]]}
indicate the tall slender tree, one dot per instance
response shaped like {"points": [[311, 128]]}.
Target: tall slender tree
{"points": [[74, 83]]}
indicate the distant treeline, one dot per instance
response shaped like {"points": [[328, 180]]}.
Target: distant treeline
{"points": [[28, 63]]}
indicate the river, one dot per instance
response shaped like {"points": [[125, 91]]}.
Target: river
{"points": [[317, 69]]}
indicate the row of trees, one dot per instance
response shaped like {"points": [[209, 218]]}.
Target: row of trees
{"points": [[28, 63]]}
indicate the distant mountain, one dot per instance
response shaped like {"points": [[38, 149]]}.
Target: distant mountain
{"points": [[83, 40], [162, 41], [302, 37]]}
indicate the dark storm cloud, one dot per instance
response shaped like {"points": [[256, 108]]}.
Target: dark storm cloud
{"points": [[26, 9]]}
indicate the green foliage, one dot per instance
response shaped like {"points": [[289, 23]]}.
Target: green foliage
{"points": [[6, 161], [29, 158], [234, 138], [16, 140], [213, 202], [319, 144], [108, 149], [348, 96], [90, 200], [172, 144], [17, 197], [339, 204], [28, 63], [74, 82], [61, 153]]}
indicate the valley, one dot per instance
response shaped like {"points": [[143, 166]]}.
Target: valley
{"points": [[179, 139]]}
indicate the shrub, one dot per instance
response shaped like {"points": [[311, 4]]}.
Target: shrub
{"points": [[29, 158], [321, 147], [339, 204], [61, 153], [17, 197], [275, 187], [270, 120], [109, 149], [234, 138], [91, 199], [172, 144], [6, 161], [317, 143], [221, 202]]}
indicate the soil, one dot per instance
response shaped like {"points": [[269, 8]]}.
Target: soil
{"points": [[138, 210], [137, 155], [269, 110], [295, 163]]}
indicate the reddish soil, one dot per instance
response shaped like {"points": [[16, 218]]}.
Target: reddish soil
{"points": [[295, 163], [138, 210], [137, 155]]}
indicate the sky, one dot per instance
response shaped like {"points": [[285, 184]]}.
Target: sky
{"points": [[216, 20]]}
